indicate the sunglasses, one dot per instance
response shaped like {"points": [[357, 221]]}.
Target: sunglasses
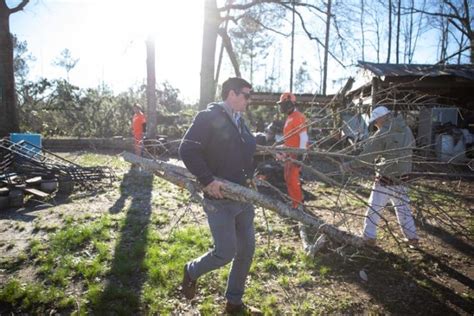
{"points": [[247, 95]]}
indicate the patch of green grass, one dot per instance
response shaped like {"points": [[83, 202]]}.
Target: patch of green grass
{"points": [[270, 305], [284, 281], [286, 253], [160, 219], [270, 265], [93, 160], [255, 291], [164, 261], [78, 251], [209, 306], [13, 263], [33, 297], [304, 279], [324, 271]]}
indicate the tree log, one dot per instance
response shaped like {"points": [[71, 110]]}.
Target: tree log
{"points": [[183, 178]]}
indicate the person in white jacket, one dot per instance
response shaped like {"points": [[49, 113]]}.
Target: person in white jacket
{"points": [[391, 150]]}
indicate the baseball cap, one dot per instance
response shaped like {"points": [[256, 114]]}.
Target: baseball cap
{"points": [[287, 96], [377, 113]]}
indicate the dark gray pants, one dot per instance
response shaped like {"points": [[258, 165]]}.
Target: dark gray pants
{"points": [[232, 229]]}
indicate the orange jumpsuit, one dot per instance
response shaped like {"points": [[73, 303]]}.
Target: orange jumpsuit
{"points": [[294, 125], [137, 126]]}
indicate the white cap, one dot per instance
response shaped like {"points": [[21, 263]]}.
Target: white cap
{"points": [[377, 113]]}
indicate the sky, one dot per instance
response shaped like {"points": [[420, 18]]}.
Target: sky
{"points": [[108, 37]]}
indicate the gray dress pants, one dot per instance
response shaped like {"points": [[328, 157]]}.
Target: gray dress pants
{"points": [[231, 225]]}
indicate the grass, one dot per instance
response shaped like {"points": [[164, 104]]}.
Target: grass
{"points": [[130, 261]]}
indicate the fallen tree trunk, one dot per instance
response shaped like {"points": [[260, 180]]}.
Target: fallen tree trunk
{"points": [[182, 177]]}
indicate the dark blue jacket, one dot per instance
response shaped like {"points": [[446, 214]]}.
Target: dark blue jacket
{"points": [[213, 147]]}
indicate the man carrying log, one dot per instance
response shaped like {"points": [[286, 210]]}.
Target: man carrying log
{"points": [[218, 144], [391, 150]]}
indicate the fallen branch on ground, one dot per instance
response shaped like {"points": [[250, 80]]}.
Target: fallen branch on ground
{"points": [[183, 178]]}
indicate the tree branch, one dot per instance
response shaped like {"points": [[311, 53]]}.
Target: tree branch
{"points": [[19, 7], [230, 51], [455, 54], [311, 37], [269, 28], [257, 2], [181, 177]]}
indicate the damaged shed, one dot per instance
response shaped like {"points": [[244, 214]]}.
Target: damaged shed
{"points": [[436, 99]]}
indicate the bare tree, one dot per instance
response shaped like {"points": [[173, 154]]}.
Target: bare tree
{"points": [[251, 39], [389, 40], [66, 61], [212, 21], [399, 16], [151, 88], [8, 110], [414, 27], [362, 23], [458, 14], [326, 45]]}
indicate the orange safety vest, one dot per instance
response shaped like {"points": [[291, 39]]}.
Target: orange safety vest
{"points": [[137, 124], [294, 125]]}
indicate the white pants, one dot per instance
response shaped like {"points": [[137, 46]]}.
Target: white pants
{"points": [[379, 197]]}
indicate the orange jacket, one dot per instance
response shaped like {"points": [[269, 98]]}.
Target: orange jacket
{"points": [[137, 124], [294, 125]]}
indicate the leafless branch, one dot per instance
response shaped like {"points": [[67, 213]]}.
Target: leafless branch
{"points": [[19, 7]]}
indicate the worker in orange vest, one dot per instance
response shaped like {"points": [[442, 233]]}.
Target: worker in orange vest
{"points": [[138, 128], [295, 135]]}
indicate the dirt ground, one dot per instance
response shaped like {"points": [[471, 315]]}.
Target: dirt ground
{"points": [[435, 278]]}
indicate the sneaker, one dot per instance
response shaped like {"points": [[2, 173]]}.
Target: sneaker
{"points": [[370, 242], [188, 286], [241, 309]]}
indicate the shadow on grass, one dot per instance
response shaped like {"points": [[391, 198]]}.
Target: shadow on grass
{"points": [[20, 214], [403, 287], [455, 242], [33, 204], [124, 282]]}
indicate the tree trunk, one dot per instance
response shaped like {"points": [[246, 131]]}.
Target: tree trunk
{"points": [[376, 97], [389, 30], [292, 59], [209, 38], [362, 29], [230, 51], [151, 88], [444, 40], [8, 110], [471, 40], [326, 47], [397, 49], [181, 177], [339, 101], [409, 37], [221, 52]]}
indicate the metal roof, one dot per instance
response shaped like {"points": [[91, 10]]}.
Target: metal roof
{"points": [[418, 70], [302, 99]]}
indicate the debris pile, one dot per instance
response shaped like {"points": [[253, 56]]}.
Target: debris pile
{"points": [[28, 169]]}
